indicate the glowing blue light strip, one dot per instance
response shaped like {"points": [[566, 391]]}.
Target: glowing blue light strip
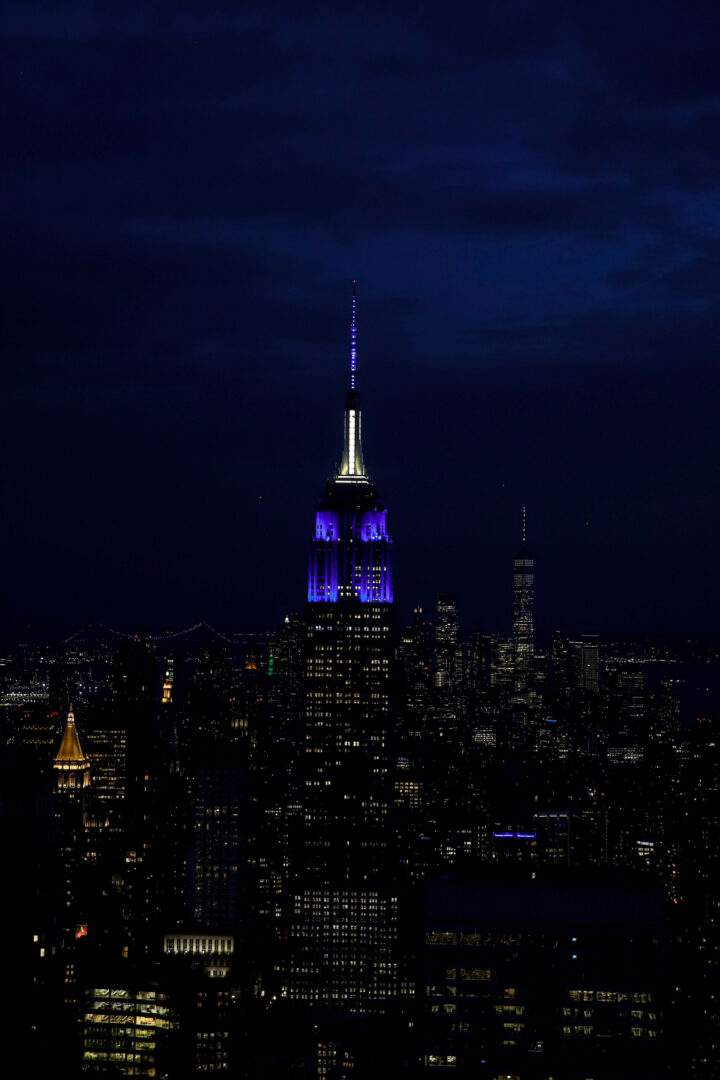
{"points": [[353, 338], [515, 835], [339, 569]]}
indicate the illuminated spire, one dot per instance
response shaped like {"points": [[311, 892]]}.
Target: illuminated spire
{"points": [[352, 468], [523, 610], [353, 339], [73, 768]]}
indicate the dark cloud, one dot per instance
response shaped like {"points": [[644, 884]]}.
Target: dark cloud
{"points": [[663, 275]]}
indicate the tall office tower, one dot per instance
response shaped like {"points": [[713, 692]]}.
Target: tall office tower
{"points": [[107, 749], [477, 665], [207, 1000], [217, 863], [343, 919], [126, 1030], [415, 669], [72, 782], [106, 814], [523, 608], [272, 767], [155, 814], [587, 662], [135, 682], [415, 652], [448, 657], [561, 663], [502, 661]]}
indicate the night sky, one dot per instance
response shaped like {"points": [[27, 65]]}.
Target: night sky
{"points": [[528, 195]]}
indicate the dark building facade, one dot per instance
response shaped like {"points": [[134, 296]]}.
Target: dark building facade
{"points": [[543, 978]]}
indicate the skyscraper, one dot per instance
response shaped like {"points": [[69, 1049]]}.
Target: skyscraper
{"points": [[523, 608], [587, 661], [72, 768], [72, 784], [217, 859], [448, 656], [347, 658], [343, 918]]}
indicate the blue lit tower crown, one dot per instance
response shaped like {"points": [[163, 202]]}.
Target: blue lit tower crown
{"points": [[350, 553]]}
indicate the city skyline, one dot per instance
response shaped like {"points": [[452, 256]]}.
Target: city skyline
{"points": [[530, 211], [359, 667], [518, 599], [351, 467]]}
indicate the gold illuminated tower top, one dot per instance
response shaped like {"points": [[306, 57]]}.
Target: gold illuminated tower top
{"points": [[72, 768], [167, 687]]}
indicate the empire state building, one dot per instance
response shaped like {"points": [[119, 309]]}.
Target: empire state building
{"points": [[350, 554], [344, 916]]}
